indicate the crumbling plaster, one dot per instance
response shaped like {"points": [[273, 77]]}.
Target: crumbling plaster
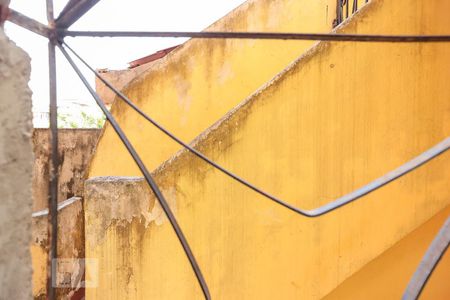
{"points": [[16, 158]]}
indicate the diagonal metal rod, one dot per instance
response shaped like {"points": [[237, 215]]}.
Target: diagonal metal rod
{"points": [[147, 176], [339, 202], [28, 23], [74, 10], [429, 262], [263, 35]]}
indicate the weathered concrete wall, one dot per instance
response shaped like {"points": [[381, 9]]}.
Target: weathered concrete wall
{"points": [[75, 151], [112, 203], [16, 158], [70, 246], [197, 83], [339, 117], [119, 79], [76, 147]]}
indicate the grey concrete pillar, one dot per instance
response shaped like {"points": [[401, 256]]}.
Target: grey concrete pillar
{"points": [[16, 160]]}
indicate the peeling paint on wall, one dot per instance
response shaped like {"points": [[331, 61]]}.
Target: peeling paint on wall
{"points": [[76, 147], [120, 200], [70, 247]]}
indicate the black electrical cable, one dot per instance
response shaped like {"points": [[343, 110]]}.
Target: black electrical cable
{"points": [[344, 200], [147, 176]]}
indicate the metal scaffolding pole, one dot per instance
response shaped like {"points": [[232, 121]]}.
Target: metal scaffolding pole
{"points": [[74, 10], [338, 37], [54, 161]]}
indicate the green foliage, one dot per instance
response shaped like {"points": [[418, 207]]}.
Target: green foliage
{"points": [[84, 121]]}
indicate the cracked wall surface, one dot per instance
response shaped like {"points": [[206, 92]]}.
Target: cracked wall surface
{"points": [[16, 159]]}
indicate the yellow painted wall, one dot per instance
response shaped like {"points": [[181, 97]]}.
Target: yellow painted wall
{"points": [[196, 84], [70, 247], [387, 276], [341, 116], [39, 263]]}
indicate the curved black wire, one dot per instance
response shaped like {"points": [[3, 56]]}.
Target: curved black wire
{"points": [[339, 202], [148, 177]]}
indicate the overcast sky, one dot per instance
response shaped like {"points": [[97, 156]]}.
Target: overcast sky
{"points": [[112, 53]]}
